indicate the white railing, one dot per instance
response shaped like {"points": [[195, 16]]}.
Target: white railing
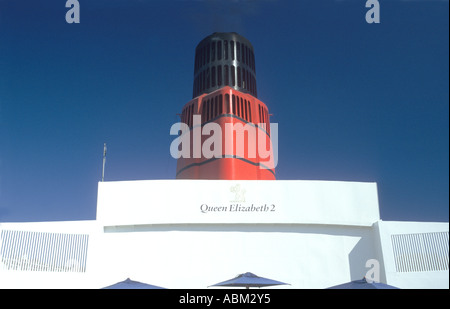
{"points": [[40, 251], [421, 252]]}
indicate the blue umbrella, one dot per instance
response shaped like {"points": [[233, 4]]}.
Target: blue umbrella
{"points": [[363, 284], [129, 284], [248, 280]]}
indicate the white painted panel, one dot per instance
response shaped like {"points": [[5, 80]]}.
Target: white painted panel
{"points": [[222, 201]]}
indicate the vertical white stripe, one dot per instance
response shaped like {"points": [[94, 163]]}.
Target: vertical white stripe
{"points": [[23, 252], [7, 248], [52, 247], [37, 248], [2, 234], [59, 251], [31, 250], [82, 258], [73, 253], [442, 252], [17, 247], [428, 244], [78, 253], [64, 249], [45, 252], [395, 252], [417, 251], [62, 252], [402, 247], [446, 249], [435, 251], [69, 255]]}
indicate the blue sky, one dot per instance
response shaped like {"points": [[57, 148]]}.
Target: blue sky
{"points": [[354, 101]]}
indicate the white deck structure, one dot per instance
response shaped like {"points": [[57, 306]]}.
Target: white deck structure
{"points": [[194, 233]]}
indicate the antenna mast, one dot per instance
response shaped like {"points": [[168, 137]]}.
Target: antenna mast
{"points": [[104, 161]]}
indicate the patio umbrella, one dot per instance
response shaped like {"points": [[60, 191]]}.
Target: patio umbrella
{"points": [[363, 284], [248, 280], [129, 284]]}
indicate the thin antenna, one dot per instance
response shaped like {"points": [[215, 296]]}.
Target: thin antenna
{"points": [[104, 161]]}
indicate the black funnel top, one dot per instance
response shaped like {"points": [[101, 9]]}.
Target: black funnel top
{"points": [[224, 59]]}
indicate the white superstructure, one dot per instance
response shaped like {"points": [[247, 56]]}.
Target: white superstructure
{"points": [[194, 233]]}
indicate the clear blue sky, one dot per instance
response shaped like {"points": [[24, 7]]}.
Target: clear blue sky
{"points": [[354, 101]]}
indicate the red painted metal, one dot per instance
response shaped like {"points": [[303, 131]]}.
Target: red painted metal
{"points": [[238, 159]]}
